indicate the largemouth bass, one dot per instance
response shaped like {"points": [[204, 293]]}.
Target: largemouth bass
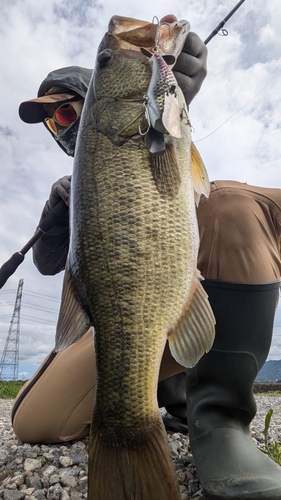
{"points": [[131, 268]]}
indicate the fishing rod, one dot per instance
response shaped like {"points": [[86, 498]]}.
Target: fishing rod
{"points": [[10, 266], [222, 23]]}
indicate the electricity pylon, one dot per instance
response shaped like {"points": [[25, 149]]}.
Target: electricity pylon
{"points": [[10, 356]]}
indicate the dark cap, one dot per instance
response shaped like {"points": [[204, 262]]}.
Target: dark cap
{"points": [[59, 85]]}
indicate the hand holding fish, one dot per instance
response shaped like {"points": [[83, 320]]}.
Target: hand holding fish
{"points": [[60, 190], [190, 69]]}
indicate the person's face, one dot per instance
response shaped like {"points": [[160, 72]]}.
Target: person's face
{"points": [[63, 122], [62, 115]]}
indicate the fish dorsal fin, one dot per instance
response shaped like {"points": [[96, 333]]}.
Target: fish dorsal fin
{"points": [[195, 331], [73, 322], [200, 177]]}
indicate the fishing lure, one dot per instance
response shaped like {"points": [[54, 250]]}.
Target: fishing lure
{"points": [[161, 100]]}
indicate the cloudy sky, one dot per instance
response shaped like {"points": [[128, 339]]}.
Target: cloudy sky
{"points": [[236, 118]]}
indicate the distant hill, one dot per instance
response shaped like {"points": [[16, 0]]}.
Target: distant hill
{"points": [[270, 372]]}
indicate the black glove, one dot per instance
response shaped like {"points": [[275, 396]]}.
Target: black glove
{"points": [[60, 189], [191, 67]]}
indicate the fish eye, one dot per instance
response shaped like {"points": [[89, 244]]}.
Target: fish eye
{"points": [[104, 57]]}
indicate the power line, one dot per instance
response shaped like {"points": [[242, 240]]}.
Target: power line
{"points": [[38, 320], [33, 306], [33, 294], [48, 297], [40, 308]]}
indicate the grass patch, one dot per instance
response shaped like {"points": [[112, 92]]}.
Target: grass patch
{"points": [[272, 449], [269, 393], [10, 389], [267, 388]]}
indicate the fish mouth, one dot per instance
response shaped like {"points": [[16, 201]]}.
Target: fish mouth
{"points": [[162, 36]]}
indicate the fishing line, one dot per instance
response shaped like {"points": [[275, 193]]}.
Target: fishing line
{"points": [[229, 118]]}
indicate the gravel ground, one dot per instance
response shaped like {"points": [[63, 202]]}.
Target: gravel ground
{"points": [[59, 472]]}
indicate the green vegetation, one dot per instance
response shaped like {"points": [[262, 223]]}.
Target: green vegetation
{"points": [[272, 449], [269, 393], [9, 389], [267, 389]]}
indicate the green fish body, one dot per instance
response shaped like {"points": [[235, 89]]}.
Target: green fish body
{"points": [[131, 273]]}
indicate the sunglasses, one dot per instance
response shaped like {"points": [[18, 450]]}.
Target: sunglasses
{"points": [[64, 115]]}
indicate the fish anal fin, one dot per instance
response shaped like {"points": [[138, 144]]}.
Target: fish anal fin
{"points": [[165, 171], [138, 470], [194, 333], [73, 322], [200, 176]]}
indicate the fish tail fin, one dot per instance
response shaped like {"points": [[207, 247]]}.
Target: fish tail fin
{"points": [[142, 471]]}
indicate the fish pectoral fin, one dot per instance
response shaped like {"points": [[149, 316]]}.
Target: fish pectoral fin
{"points": [[195, 331], [200, 177], [73, 322]]}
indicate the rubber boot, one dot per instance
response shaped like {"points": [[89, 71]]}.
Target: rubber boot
{"points": [[172, 396], [220, 400]]}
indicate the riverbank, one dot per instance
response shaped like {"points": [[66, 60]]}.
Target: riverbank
{"points": [[59, 471]]}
